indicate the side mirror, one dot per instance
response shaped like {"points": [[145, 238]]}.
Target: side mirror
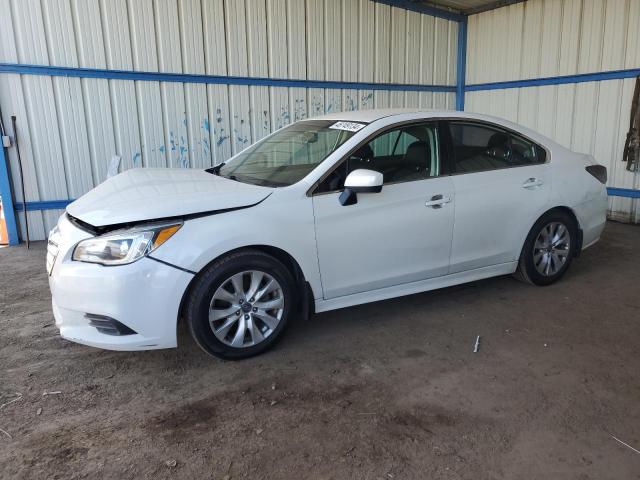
{"points": [[360, 181]]}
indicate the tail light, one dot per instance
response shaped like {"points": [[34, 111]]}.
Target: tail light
{"points": [[599, 172]]}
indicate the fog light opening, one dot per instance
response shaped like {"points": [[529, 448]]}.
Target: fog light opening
{"points": [[108, 325]]}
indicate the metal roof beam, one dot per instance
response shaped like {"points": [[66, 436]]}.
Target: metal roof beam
{"points": [[426, 9], [491, 6]]}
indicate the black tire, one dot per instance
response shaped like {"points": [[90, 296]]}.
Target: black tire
{"points": [[527, 270], [211, 278]]}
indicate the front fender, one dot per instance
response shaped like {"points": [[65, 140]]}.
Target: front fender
{"points": [[277, 222]]}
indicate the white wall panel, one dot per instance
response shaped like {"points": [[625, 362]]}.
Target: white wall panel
{"points": [[296, 57], [40, 114], [70, 128], [149, 104], [118, 53], [365, 57], [413, 55], [397, 54], [11, 90], [258, 67], [170, 61], [427, 52], [215, 47], [382, 52], [546, 38], [562, 37], [69, 99], [197, 111]]}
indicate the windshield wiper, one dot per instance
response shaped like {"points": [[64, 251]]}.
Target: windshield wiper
{"points": [[215, 170]]}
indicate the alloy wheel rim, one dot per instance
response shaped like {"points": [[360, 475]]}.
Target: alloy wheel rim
{"points": [[551, 249], [246, 308]]}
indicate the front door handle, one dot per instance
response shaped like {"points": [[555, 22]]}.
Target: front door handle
{"points": [[532, 183], [437, 201]]}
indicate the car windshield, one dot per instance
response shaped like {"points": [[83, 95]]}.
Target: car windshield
{"points": [[288, 155]]}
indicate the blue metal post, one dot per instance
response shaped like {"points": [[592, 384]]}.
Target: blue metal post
{"points": [[7, 200], [461, 64]]}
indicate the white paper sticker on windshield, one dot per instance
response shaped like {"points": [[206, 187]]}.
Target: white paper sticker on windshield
{"points": [[349, 126]]}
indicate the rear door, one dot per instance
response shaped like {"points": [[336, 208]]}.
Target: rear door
{"points": [[401, 234], [502, 184]]}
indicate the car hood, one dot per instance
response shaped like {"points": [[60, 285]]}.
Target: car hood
{"points": [[152, 193]]}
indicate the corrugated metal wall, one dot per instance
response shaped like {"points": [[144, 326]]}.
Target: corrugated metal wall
{"points": [[69, 128], [549, 38]]}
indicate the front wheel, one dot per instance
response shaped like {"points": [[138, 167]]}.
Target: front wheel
{"points": [[549, 248], [240, 305]]}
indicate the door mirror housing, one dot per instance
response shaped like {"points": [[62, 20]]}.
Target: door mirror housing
{"points": [[360, 181], [364, 181]]}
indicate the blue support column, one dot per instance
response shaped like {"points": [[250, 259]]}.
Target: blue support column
{"points": [[461, 64], [7, 199]]}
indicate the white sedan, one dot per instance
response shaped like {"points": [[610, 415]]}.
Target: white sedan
{"points": [[326, 213]]}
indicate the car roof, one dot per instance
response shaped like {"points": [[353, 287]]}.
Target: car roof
{"points": [[368, 116], [372, 115]]}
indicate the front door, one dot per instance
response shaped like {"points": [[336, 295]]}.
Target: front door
{"points": [[399, 235]]}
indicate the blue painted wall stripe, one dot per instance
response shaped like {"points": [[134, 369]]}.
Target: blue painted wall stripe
{"points": [[461, 65], [25, 69], [62, 204], [561, 80], [623, 192], [426, 9], [6, 193], [45, 205]]}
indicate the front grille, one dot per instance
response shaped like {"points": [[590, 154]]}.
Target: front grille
{"points": [[108, 325]]}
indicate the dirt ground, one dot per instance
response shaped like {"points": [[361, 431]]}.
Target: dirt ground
{"points": [[390, 390]]}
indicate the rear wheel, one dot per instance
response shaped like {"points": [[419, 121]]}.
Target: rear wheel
{"points": [[240, 305], [549, 248]]}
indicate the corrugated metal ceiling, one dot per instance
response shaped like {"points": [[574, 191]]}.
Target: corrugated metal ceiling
{"points": [[468, 6]]}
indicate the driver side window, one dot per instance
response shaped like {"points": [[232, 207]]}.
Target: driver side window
{"points": [[403, 154]]}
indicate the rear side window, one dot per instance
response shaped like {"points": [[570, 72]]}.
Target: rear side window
{"points": [[479, 147]]}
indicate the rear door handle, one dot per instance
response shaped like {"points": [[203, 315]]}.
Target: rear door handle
{"points": [[437, 201], [532, 183]]}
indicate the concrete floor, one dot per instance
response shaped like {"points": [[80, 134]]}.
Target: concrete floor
{"points": [[387, 390]]}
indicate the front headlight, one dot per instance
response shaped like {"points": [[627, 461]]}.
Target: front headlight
{"points": [[124, 246]]}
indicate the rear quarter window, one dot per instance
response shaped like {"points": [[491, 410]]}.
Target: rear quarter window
{"points": [[480, 147]]}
